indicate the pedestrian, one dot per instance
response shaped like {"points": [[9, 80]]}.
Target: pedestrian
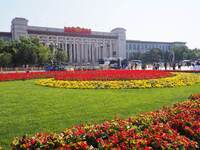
{"points": [[179, 66], [165, 65], [158, 66], [174, 66], [135, 66], [154, 66]]}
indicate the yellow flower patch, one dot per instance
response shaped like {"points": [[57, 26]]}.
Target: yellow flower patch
{"points": [[180, 79]]}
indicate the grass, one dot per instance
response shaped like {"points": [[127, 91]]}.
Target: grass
{"points": [[26, 108]]}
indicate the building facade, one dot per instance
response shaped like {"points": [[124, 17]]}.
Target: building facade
{"points": [[83, 45], [135, 46]]}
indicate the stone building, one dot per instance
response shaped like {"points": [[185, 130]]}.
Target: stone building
{"points": [[135, 46], [83, 45]]}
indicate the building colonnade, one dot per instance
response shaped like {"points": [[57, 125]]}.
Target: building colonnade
{"points": [[87, 52]]}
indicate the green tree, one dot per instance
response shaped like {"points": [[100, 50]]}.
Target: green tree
{"points": [[43, 54], [60, 56], [166, 56], [30, 51], [2, 44], [197, 53], [154, 55], [136, 56], [5, 59], [189, 54], [180, 53]]}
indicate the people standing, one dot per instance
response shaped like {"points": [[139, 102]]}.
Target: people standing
{"points": [[174, 66], [135, 66], [179, 66], [165, 65]]}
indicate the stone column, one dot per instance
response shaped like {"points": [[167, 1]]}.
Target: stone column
{"points": [[101, 51], [64, 48], [67, 51], [108, 50], [99, 54], [89, 48], [86, 52], [93, 52], [104, 50], [111, 49], [70, 53], [74, 50], [83, 52], [96, 52], [78, 52]]}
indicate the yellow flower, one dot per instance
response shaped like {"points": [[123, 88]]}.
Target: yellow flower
{"points": [[179, 79]]}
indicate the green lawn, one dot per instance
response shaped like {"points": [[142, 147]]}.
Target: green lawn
{"points": [[26, 108]]}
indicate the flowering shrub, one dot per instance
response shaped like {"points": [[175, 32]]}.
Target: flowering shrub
{"points": [[195, 96], [180, 79], [111, 75], [176, 127]]}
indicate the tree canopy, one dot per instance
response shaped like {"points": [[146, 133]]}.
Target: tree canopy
{"points": [[28, 51], [175, 55]]}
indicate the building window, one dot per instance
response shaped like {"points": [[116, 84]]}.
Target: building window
{"points": [[134, 47], [138, 47], [114, 53], [130, 46]]}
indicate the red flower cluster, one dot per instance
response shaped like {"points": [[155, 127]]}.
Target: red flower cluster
{"points": [[177, 127], [195, 97], [87, 75], [111, 75], [77, 30], [26, 76]]}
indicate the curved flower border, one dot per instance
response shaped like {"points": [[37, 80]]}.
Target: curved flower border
{"points": [[180, 79], [175, 127]]}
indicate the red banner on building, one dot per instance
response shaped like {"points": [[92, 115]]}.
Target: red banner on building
{"points": [[77, 30]]}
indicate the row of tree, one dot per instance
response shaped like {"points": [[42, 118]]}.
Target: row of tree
{"points": [[175, 55], [29, 51]]}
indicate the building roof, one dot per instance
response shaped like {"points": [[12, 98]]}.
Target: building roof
{"points": [[5, 34], [156, 42]]}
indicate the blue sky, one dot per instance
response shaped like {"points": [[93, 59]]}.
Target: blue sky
{"points": [[153, 20]]}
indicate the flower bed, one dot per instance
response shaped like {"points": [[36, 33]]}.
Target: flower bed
{"points": [[180, 79], [176, 127], [111, 75], [26, 76], [86, 75], [188, 71]]}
